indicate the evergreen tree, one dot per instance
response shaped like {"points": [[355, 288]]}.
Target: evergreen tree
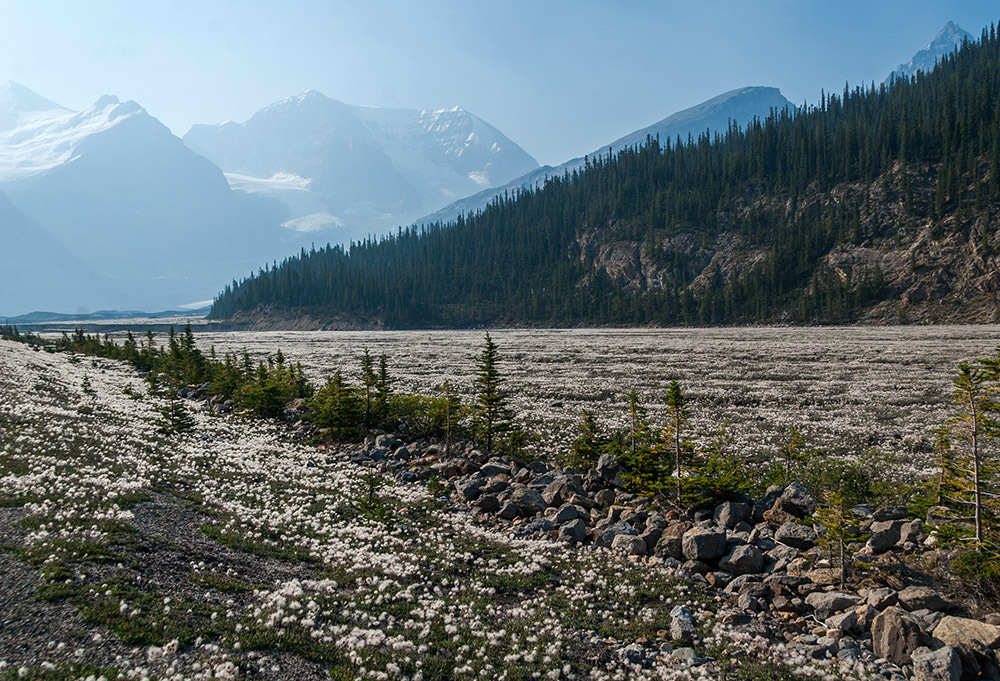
{"points": [[383, 389], [677, 413], [174, 416], [792, 451], [338, 407], [491, 415]]}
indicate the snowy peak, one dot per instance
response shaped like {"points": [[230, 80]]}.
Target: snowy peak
{"points": [[45, 137], [945, 42], [19, 105], [367, 169]]}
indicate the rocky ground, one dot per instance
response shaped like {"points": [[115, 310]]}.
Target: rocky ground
{"points": [[239, 551]]}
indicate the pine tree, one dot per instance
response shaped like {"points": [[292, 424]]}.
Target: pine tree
{"points": [[638, 426], [383, 389], [338, 407], [174, 416], [369, 382], [791, 450], [491, 415], [677, 413]]}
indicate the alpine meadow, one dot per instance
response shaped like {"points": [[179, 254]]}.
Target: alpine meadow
{"points": [[717, 399]]}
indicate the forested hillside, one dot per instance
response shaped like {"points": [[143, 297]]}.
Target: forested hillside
{"points": [[880, 204]]}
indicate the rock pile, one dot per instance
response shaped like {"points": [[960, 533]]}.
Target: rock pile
{"points": [[759, 558]]}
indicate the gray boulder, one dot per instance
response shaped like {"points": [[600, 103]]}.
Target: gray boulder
{"points": [[610, 471], [560, 490], [943, 664], [891, 513], [703, 543], [826, 603], [573, 532], [796, 535], [628, 545], [880, 599], [468, 489], [743, 560], [508, 511], [528, 501], [922, 598], [730, 514], [798, 500], [605, 498], [896, 634], [954, 631], [681, 624], [607, 536], [487, 503]]}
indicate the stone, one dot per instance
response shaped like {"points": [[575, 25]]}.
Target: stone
{"points": [[487, 503], [651, 536], [782, 555], [561, 489], [610, 471], [737, 583], [797, 500], [775, 517], [573, 532], [567, 512], [891, 513], [528, 501], [826, 603], [605, 498], [468, 489], [743, 560], [954, 631], [937, 665], [492, 470], [880, 599], [885, 535], [729, 514], [633, 654], [912, 531], [922, 598], [681, 624], [796, 535], [670, 542], [508, 511], [701, 543], [843, 622], [607, 536], [895, 635], [628, 545]]}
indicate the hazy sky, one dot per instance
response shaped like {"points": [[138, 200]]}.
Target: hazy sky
{"points": [[560, 78]]}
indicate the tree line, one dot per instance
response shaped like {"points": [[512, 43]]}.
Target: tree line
{"points": [[784, 187]]}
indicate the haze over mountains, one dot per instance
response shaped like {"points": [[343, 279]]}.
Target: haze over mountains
{"points": [[358, 170], [106, 208]]}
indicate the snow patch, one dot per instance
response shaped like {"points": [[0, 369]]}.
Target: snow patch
{"points": [[317, 222]]}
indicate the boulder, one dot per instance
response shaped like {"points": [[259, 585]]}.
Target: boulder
{"points": [[468, 489], [607, 536], [565, 513], [796, 535], [743, 560], [508, 511], [883, 539], [670, 542], [891, 513], [628, 545], [561, 489], [651, 536], [681, 624], [922, 598], [730, 514], [487, 503], [605, 498], [797, 500], [912, 532], [954, 631], [528, 501], [880, 599], [610, 471], [895, 635], [573, 532], [844, 622], [702, 543], [937, 665], [826, 603], [776, 517]]}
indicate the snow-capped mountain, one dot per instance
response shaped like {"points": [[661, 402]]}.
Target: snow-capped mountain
{"points": [[115, 188], [945, 42], [348, 171], [740, 106]]}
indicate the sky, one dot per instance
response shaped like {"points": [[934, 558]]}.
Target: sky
{"points": [[560, 77]]}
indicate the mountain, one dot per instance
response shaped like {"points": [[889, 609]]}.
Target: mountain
{"points": [[945, 42], [35, 269], [350, 171], [740, 106], [140, 210], [853, 210]]}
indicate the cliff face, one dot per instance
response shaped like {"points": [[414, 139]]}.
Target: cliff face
{"points": [[926, 270]]}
